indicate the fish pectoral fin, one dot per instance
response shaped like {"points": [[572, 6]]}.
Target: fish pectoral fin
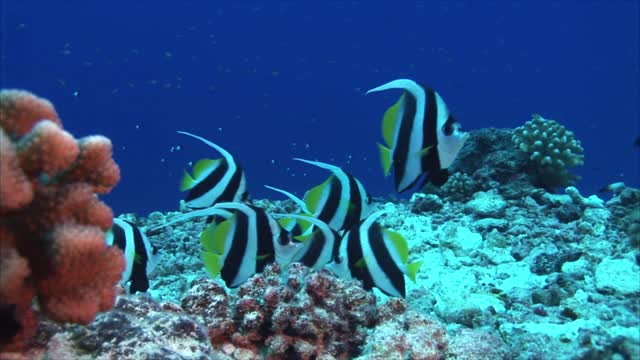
{"points": [[385, 158], [424, 152], [412, 270], [361, 264], [262, 257], [212, 262]]}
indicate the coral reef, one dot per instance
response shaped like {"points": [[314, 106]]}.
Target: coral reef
{"points": [[295, 314], [305, 315], [52, 224], [553, 149], [487, 162]]}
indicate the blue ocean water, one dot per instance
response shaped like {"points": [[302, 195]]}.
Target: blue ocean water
{"points": [[270, 81]]}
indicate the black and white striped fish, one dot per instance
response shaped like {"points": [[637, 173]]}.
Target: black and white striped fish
{"points": [[243, 243], [376, 256], [214, 181], [341, 201], [140, 255], [319, 241], [420, 135]]}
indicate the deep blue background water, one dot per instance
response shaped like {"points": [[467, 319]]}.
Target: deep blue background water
{"points": [[274, 80]]}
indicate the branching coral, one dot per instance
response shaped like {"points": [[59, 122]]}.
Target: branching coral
{"points": [[552, 148], [52, 223]]}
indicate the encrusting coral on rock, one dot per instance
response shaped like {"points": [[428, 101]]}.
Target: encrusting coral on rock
{"points": [[52, 223]]}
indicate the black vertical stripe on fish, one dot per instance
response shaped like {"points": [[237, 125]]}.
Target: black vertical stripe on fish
{"points": [[384, 258], [355, 207], [138, 278], [119, 237], [354, 251], [431, 160], [208, 183], [318, 242], [264, 237], [401, 148], [234, 259], [330, 207], [231, 189]]}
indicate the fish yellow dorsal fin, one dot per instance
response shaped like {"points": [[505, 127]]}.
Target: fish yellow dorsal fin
{"points": [[187, 182], [212, 262], [390, 120], [214, 236], [286, 223], [385, 159], [412, 270], [399, 243], [313, 196], [203, 167]]}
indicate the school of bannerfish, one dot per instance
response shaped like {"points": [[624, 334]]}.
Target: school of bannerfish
{"points": [[335, 228]]}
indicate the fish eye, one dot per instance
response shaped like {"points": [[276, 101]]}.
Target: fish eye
{"points": [[154, 249], [450, 126]]}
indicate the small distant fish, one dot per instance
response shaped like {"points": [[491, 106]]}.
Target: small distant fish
{"points": [[319, 240], [141, 257], [421, 136], [10, 324], [341, 201], [243, 243], [616, 187], [213, 181], [76, 94], [376, 256]]}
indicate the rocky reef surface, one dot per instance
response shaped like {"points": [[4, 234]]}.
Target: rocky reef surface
{"points": [[511, 271]]}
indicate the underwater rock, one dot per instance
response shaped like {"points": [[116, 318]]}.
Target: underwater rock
{"points": [[567, 213], [621, 276], [402, 334], [486, 204], [136, 328], [422, 203]]}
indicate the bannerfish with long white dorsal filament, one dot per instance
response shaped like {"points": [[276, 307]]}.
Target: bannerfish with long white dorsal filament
{"points": [[214, 181], [341, 201], [420, 135], [243, 241], [376, 256], [320, 241], [140, 255]]}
